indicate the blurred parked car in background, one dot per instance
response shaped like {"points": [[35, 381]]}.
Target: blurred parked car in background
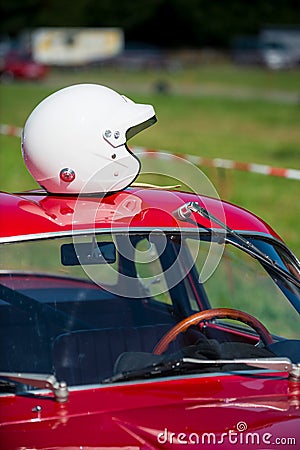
{"points": [[140, 55], [20, 66], [274, 48]]}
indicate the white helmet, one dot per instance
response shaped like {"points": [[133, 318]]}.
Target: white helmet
{"points": [[75, 140]]}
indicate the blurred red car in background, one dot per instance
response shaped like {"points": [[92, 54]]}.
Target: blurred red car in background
{"points": [[18, 66]]}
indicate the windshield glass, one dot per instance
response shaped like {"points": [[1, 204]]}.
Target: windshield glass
{"points": [[73, 307]]}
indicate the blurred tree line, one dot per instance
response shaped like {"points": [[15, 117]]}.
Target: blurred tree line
{"points": [[169, 23]]}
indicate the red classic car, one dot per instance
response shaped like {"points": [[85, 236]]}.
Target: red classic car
{"points": [[20, 67], [145, 319]]}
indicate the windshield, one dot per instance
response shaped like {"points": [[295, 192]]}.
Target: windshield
{"points": [[74, 307]]}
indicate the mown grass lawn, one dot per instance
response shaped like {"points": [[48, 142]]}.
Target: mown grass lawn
{"points": [[212, 111]]}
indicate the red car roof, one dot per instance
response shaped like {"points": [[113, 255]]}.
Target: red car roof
{"points": [[37, 212]]}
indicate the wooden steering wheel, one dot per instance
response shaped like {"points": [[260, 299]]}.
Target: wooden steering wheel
{"points": [[209, 314]]}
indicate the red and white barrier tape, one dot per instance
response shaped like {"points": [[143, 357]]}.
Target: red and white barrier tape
{"points": [[9, 130], [222, 163], [262, 169]]}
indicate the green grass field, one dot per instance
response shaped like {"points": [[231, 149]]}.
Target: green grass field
{"points": [[216, 111]]}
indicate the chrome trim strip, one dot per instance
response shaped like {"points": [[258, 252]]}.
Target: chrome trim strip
{"points": [[70, 233], [89, 387]]}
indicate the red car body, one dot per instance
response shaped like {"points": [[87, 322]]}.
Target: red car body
{"points": [[37, 212], [256, 408]]}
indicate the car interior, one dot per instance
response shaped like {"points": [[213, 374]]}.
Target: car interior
{"points": [[85, 333]]}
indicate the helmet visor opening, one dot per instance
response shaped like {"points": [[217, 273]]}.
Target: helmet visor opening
{"points": [[140, 127]]}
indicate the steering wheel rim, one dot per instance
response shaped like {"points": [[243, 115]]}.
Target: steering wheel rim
{"points": [[209, 314]]}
